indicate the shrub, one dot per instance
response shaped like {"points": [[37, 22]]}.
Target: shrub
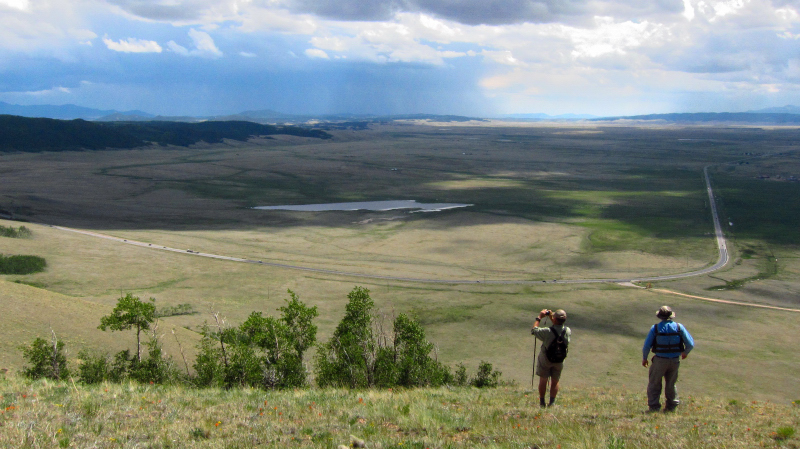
{"points": [[415, 366], [180, 309], [153, 368], [46, 359], [94, 368], [9, 231], [359, 355], [347, 360], [21, 264], [485, 377], [263, 352], [460, 378]]}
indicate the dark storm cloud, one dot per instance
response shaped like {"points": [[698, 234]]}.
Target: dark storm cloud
{"points": [[349, 9], [485, 12], [148, 9], [472, 12]]}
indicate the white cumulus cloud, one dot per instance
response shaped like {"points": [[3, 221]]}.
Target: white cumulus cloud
{"points": [[204, 46], [133, 45], [21, 5], [316, 53]]}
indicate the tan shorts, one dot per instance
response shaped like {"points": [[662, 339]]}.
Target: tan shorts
{"points": [[544, 368]]}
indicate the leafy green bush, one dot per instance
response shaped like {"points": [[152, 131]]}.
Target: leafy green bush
{"points": [[415, 366], [359, 356], [460, 377], [46, 360], [485, 376], [153, 368], [180, 309], [263, 352], [21, 264], [9, 231], [94, 368], [347, 360]]}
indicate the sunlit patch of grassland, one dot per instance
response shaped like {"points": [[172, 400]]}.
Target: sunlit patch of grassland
{"points": [[47, 414], [480, 183]]}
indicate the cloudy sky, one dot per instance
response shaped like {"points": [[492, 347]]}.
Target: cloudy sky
{"points": [[471, 57]]}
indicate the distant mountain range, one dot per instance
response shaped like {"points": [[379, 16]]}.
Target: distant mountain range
{"points": [[788, 109], [788, 114], [65, 111], [541, 116], [263, 116], [755, 118]]}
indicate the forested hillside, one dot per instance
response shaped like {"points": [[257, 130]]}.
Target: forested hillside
{"points": [[23, 134]]}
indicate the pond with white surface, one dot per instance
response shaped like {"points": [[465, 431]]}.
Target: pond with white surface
{"points": [[369, 205]]}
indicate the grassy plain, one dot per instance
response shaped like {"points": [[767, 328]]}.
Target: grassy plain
{"points": [[549, 203]]}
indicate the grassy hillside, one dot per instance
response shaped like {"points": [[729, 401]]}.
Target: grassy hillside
{"points": [[52, 415], [30, 312], [468, 323]]}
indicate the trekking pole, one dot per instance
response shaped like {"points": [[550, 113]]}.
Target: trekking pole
{"points": [[533, 371], [535, 343]]}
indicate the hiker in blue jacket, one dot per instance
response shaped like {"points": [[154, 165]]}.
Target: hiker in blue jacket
{"points": [[670, 342]]}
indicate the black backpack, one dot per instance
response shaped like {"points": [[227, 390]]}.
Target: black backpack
{"points": [[557, 351]]}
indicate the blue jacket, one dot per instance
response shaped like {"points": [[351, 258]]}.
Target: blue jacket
{"points": [[664, 327]]}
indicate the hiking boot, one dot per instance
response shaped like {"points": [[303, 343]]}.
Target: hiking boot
{"points": [[552, 402], [654, 409], [541, 403]]}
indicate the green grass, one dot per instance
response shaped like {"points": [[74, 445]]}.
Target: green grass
{"points": [[760, 210], [51, 414], [768, 268]]}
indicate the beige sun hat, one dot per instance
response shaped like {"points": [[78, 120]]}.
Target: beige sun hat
{"points": [[665, 312]]}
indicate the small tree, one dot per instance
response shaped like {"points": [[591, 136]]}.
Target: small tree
{"points": [[299, 320], [361, 355], [264, 352], [347, 360], [46, 359], [415, 366], [131, 312]]}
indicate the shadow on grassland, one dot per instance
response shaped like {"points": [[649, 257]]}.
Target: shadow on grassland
{"points": [[759, 209]]}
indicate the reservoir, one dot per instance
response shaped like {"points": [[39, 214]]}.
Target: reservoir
{"points": [[369, 205]]}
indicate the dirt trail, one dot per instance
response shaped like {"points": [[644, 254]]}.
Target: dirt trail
{"points": [[723, 301]]}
